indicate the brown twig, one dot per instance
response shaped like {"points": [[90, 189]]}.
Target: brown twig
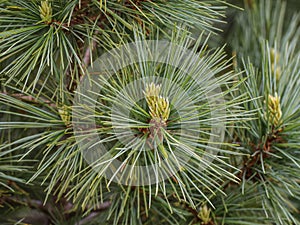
{"points": [[261, 150], [28, 98]]}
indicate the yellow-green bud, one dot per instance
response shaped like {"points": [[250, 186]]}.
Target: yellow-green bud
{"points": [[158, 105], [46, 12], [274, 110], [274, 56], [277, 71], [204, 214], [64, 114], [159, 110]]}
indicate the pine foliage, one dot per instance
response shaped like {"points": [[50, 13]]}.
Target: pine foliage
{"points": [[219, 136]]}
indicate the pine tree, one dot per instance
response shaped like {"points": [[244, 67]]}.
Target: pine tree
{"points": [[149, 112]]}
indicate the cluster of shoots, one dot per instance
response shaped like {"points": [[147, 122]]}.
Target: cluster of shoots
{"points": [[159, 107], [274, 109], [204, 215], [159, 110], [46, 12], [64, 114]]}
